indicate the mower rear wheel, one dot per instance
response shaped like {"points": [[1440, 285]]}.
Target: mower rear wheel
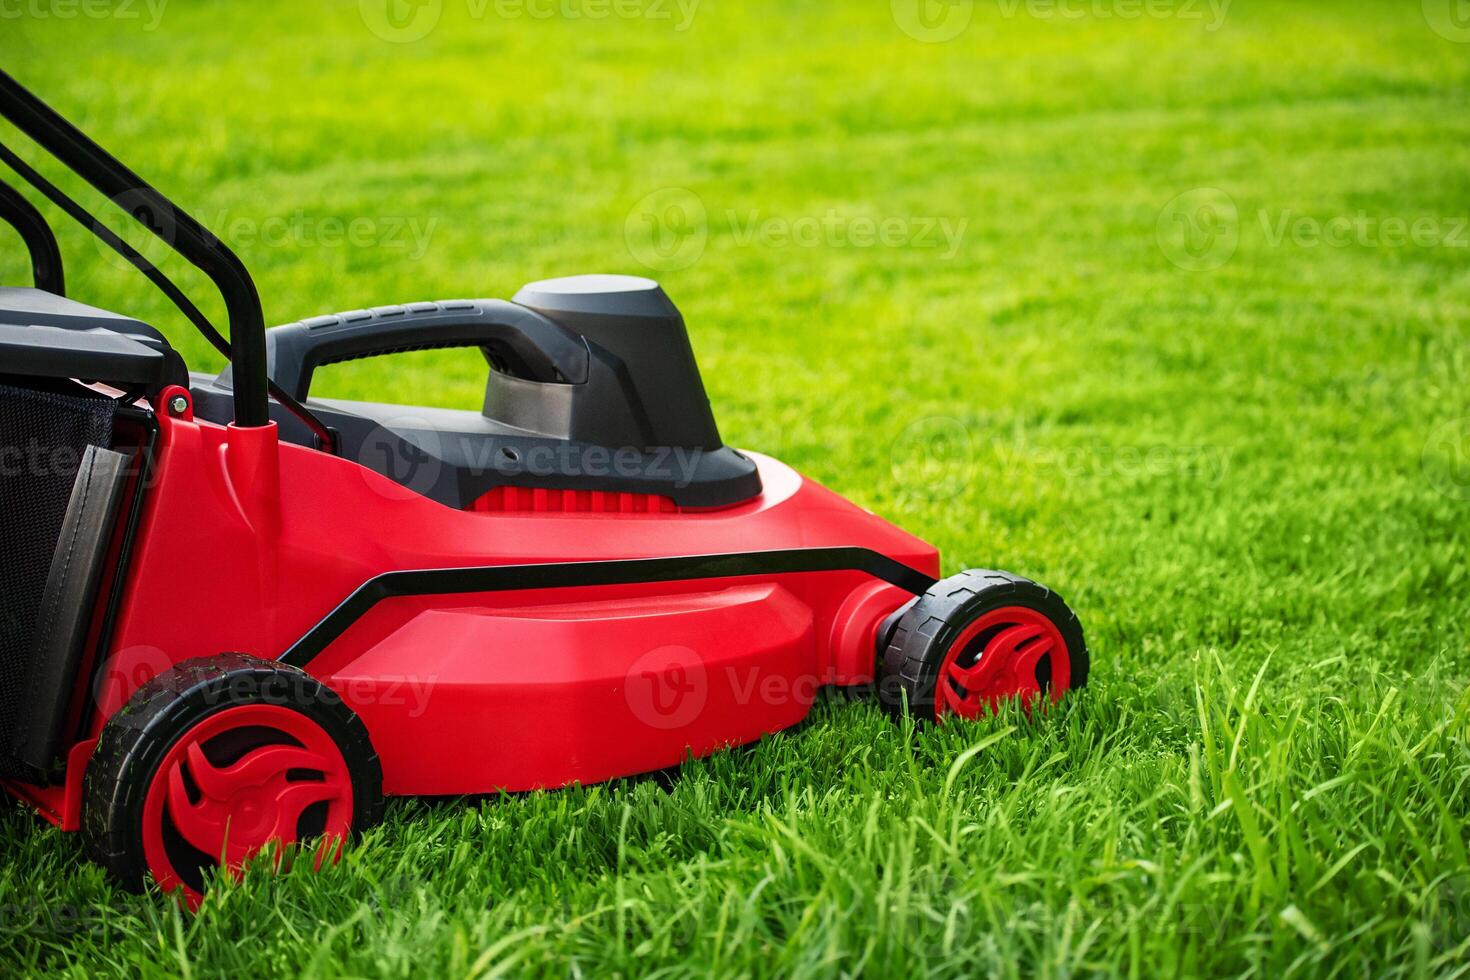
{"points": [[976, 640], [217, 758]]}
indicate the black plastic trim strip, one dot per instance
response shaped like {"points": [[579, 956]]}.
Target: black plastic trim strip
{"points": [[141, 491], [582, 574], [146, 459], [61, 622]]}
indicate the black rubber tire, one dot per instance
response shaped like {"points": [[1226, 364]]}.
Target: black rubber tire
{"points": [[136, 740], [908, 669]]}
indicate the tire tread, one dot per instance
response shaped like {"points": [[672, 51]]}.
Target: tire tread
{"points": [[915, 649]]}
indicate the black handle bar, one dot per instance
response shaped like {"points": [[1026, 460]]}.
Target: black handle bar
{"points": [[526, 343], [39, 239], [170, 223]]}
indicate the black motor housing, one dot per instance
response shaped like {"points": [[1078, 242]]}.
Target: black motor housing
{"points": [[635, 322]]}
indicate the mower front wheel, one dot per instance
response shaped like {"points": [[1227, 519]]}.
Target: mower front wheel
{"points": [[976, 640], [217, 758]]}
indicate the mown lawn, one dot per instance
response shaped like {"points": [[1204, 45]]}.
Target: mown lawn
{"points": [[1166, 308]]}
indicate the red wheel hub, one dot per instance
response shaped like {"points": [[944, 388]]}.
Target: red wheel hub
{"points": [[237, 781], [1015, 652]]}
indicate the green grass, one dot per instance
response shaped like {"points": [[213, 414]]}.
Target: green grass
{"points": [[1250, 480]]}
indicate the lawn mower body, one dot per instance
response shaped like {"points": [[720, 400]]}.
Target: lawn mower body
{"points": [[471, 691], [494, 627], [515, 688], [236, 615]]}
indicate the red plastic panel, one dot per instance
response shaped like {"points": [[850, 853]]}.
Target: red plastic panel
{"points": [[545, 695]]}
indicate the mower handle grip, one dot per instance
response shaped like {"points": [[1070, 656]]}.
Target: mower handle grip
{"points": [[524, 342]]}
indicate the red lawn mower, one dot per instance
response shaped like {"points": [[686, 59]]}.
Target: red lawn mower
{"points": [[233, 615]]}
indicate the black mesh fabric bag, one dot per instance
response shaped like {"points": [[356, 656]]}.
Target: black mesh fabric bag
{"points": [[43, 437]]}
